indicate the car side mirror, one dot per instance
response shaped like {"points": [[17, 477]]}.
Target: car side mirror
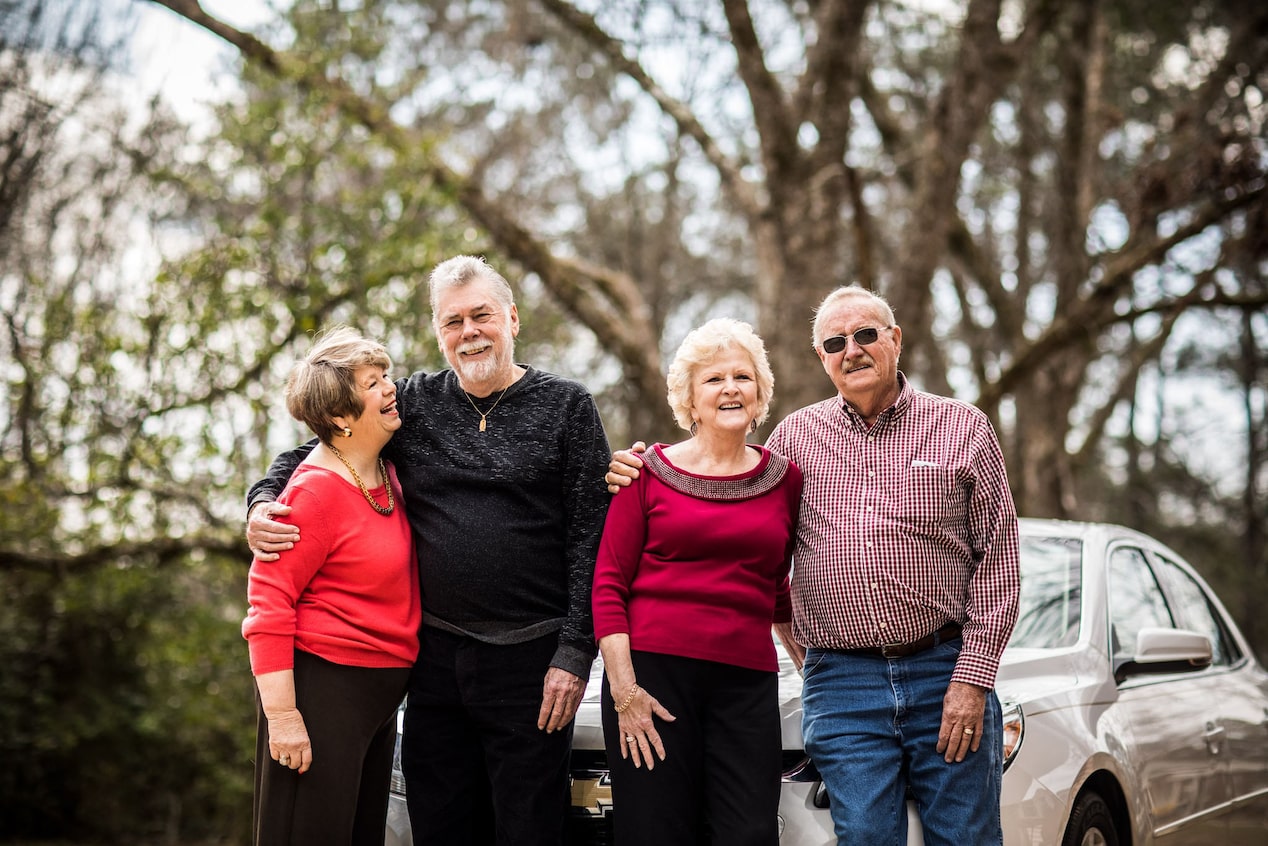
{"points": [[1161, 650]]}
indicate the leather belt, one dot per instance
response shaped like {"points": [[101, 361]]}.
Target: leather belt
{"points": [[901, 650]]}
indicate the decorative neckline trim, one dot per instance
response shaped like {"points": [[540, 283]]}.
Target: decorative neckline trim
{"points": [[756, 482]]}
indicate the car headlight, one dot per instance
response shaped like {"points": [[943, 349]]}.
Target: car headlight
{"points": [[1014, 730]]}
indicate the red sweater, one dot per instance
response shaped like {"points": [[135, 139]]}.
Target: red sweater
{"points": [[347, 592], [697, 566]]}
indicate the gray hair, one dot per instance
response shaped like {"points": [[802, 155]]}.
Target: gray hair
{"points": [[463, 270], [849, 292], [701, 346]]}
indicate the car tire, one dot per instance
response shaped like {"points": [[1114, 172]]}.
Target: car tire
{"points": [[1091, 823]]}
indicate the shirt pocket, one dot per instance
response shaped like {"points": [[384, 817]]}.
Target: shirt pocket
{"points": [[928, 497]]}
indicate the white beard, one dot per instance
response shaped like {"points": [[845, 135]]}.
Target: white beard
{"points": [[487, 369]]}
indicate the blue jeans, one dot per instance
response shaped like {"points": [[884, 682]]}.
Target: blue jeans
{"points": [[871, 727]]}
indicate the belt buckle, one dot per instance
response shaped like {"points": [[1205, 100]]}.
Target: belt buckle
{"points": [[892, 650]]}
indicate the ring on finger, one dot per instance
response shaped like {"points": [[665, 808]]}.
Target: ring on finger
{"points": [[629, 738], [969, 732]]}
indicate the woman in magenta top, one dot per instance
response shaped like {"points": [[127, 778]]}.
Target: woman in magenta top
{"points": [[332, 626], [692, 575]]}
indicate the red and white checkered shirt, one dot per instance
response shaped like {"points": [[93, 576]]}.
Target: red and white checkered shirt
{"points": [[904, 527]]}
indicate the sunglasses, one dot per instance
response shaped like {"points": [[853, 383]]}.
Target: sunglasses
{"points": [[863, 337]]}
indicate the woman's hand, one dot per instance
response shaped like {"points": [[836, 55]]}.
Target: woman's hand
{"points": [[639, 739], [288, 740]]}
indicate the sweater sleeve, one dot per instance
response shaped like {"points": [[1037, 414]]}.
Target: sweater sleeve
{"points": [[586, 503], [792, 493], [274, 482], [273, 588], [624, 537]]}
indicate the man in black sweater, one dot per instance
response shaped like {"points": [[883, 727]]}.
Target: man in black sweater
{"points": [[502, 467]]}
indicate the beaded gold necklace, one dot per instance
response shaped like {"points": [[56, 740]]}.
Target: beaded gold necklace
{"points": [[391, 503]]}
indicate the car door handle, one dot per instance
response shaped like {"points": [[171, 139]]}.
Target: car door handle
{"points": [[1214, 736]]}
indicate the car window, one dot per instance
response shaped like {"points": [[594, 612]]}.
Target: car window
{"points": [[1051, 593], [1194, 612], [1136, 601]]}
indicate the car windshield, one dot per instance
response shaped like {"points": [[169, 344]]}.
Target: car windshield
{"points": [[1051, 591]]}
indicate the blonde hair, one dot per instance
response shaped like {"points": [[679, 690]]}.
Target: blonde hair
{"points": [[849, 292], [701, 346], [323, 385]]}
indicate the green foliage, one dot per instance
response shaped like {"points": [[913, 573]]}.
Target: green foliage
{"points": [[124, 699]]}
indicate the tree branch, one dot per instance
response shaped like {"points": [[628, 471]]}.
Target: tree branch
{"points": [[729, 171], [1095, 311], [775, 125], [621, 322], [163, 550]]}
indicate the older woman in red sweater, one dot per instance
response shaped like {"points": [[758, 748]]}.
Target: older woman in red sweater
{"points": [[332, 626], [692, 574]]}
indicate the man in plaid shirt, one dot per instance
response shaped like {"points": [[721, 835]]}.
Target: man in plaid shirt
{"points": [[904, 588]]}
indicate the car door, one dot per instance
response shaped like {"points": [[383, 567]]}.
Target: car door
{"points": [[1237, 693], [1176, 755]]}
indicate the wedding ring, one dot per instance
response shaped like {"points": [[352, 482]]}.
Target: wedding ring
{"points": [[629, 738], [968, 731], [284, 760]]}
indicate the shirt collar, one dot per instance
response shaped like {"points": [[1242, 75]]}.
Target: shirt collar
{"points": [[894, 412]]}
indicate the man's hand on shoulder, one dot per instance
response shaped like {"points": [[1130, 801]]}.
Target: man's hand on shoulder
{"points": [[266, 537], [624, 466]]}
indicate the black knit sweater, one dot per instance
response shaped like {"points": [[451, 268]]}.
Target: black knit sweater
{"points": [[506, 521]]}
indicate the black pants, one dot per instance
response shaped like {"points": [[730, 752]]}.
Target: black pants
{"points": [[719, 782], [350, 714], [472, 755]]}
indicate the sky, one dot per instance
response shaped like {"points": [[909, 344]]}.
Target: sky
{"points": [[189, 65]]}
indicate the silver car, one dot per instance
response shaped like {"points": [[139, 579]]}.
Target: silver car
{"points": [[1134, 711]]}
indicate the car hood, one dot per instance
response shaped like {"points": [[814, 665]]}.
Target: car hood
{"points": [[1044, 679]]}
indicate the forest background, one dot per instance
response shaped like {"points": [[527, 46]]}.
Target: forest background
{"points": [[1063, 199]]}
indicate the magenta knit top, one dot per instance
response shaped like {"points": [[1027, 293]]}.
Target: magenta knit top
{"points": [[697, 566], [347, 592]]}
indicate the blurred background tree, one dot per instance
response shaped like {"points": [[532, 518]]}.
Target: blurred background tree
{"points": [[1063, 200]]}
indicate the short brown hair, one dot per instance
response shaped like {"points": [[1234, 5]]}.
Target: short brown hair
{"points": [[323, 385]]}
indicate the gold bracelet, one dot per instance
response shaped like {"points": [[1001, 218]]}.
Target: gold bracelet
{"points": [[624, 706]]}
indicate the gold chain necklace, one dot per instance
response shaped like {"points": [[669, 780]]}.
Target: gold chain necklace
{"points": [[485, 414], [391, 503]]}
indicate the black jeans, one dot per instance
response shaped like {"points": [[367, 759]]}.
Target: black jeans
{"points": [[350, 714], [477, 769], [719, 782]]}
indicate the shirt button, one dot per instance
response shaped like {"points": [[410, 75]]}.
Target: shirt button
{"points": [[883, 625]]}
